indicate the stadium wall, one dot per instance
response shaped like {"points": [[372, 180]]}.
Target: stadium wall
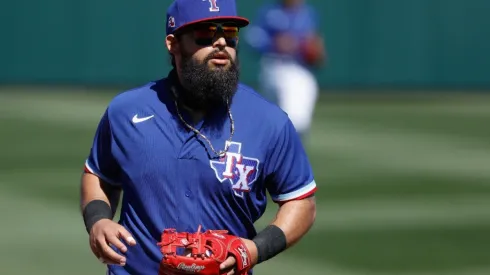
{"points": [[395, 43]]}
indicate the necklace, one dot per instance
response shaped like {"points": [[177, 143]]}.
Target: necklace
{"points": [[221, 153]]}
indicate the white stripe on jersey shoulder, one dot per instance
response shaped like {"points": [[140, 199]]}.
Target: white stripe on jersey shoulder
{"points": [[305, 190], [98, 174]]}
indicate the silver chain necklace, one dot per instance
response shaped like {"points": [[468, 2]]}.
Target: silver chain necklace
{"points": [[221, 153]]}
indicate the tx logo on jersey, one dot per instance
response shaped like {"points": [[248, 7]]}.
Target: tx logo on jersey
{"points": [[239, 170]]}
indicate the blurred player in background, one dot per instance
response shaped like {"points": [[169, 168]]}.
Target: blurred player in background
{"points": [[286, 34]]}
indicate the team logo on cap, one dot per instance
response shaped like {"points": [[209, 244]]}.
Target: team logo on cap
{"points": [[214, 5], [238, 170], [171, 21]]}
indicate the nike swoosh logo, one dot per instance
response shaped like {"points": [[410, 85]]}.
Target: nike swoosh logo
{"points": [[137, 119]]}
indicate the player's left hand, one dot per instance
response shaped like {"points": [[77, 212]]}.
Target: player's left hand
{"points": [[229, 264]]}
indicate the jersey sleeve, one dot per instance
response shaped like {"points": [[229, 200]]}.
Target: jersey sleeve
{"points": [[101, 161], [289, 173], [258, 35]]}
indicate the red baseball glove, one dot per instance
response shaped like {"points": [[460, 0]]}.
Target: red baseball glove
{"points": [[203, 252], [313, 50]]}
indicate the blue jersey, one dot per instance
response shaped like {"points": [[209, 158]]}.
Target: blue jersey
{"points": [[171, 179], [274, 19]]}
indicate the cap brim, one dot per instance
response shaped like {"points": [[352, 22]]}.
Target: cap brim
{"points": [[240, 21]]}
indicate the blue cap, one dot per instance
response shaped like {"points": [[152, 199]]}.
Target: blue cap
{"points": [[182, 13]]}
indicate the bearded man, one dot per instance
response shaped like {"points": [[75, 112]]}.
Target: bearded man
{"points": [[195, 149]]}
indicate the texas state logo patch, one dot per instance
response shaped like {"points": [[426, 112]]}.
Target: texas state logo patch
{"points": [[238, 170]]}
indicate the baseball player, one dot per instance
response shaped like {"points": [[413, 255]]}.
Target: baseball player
{"points": [[195, 149], [286, 35]]}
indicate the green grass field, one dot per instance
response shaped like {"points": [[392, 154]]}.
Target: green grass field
{"points": [[404, 185]]}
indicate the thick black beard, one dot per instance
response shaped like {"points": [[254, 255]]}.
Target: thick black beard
{"points": [[206, 89]]}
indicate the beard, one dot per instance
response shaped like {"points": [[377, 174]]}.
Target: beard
{"points": [[205, 88]]}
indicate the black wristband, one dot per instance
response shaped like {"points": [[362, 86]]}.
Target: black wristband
{"points": [[270, 242], [95, 211]]}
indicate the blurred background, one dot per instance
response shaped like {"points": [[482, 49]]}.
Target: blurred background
{"points": [[399, 138]]}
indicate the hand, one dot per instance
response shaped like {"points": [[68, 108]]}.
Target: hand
{"points": [[229, 264], [105, 232], [285, 43]]}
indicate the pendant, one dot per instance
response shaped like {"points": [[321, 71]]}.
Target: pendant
{"points": [[221, 154]]}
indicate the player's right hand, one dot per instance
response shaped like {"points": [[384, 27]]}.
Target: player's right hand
{"points": [[106, 232]]}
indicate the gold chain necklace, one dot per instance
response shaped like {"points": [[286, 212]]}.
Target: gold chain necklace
{"points": [[221, 153]]}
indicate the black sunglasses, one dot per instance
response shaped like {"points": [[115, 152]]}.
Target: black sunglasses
{"points": [[205, 33]]}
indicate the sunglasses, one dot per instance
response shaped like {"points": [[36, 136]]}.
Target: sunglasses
{"points": [[205, 33]]}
